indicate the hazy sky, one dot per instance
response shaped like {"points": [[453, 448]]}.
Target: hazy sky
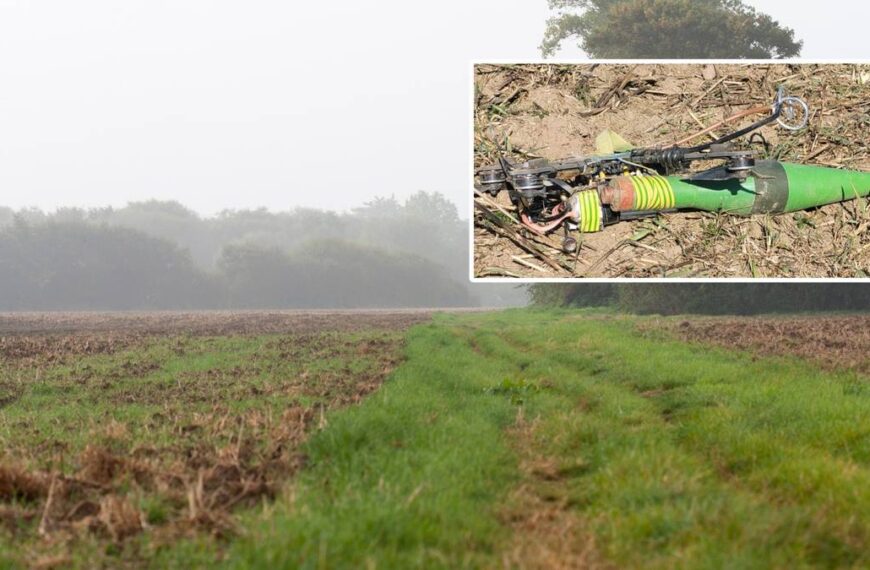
{"points": [[223, 104]]}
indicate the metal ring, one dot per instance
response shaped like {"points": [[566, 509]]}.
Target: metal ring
{"points": [[803, 105]]}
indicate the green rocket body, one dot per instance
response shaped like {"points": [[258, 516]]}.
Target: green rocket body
{"points": [[772, 188]]}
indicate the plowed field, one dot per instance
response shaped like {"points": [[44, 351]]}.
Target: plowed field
{"points": [[120, 433], [836, 342]]}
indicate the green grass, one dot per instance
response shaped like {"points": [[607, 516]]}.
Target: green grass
{"points": [[412, 478], [672, 456]]}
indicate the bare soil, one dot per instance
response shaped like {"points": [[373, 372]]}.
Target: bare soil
{"points": [[55, 337], [556, 111], [834, 342], [208, 322]]}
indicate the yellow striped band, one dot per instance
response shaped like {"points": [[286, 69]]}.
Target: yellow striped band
{"points": [[652, 193], [590, 211]]}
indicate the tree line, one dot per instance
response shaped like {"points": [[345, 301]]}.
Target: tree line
{"points": [[161, 255], [707, 298]]}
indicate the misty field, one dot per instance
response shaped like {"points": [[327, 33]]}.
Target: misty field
{"points": [[514, 439]]}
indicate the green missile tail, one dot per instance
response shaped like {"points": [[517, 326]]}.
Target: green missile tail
{"points": [[771, 188]]}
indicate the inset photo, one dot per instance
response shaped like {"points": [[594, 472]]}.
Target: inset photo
{"points": [[667, 170]]}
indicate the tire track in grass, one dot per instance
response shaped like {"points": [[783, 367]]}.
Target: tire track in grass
{"points": [[546, 532], [807, 526], [652, 503]]}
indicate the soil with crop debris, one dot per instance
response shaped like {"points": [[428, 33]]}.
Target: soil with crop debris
{"points": [[833, 342], [122, 433], [556, 111]]}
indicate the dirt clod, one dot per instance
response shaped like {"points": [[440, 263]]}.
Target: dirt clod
{"points": [[120, 518], [18, 484]]}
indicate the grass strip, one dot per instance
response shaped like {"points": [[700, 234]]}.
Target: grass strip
{"points": [[411, 478], [670, 455]]}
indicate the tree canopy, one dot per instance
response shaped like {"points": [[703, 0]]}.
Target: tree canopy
{"points": [[668, 29]]}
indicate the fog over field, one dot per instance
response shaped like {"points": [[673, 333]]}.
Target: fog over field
{"points": [[161, 255], [237, 328], [204, 154]]}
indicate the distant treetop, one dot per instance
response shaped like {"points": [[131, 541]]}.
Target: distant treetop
{"points": [[668, 29]]}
